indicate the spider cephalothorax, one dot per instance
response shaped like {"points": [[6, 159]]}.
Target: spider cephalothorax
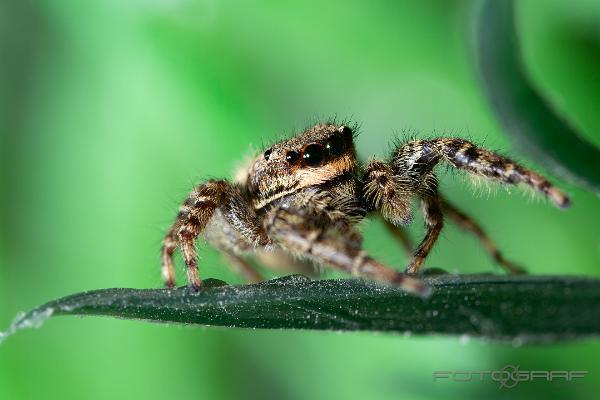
{"points": [[319, 155], [302, 198]]}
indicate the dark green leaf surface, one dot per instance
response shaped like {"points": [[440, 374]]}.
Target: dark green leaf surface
{"points": [[521, 308], [524, 113]]}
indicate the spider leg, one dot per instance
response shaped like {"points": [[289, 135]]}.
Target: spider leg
{"points": [[391, 191], [421, 156], [303, 235], [388, 187], [169, 244], [434, 222], [470, 225], [194, 215], [388, 192]]}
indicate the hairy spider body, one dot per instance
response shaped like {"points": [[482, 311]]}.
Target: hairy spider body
{"points": [[303, 197]]}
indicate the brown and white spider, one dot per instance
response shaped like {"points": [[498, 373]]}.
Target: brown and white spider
{"points": [[302, 198]]}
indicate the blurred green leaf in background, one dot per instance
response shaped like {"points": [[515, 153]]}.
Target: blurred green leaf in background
{"points": [[526, 115], [110, 112]]}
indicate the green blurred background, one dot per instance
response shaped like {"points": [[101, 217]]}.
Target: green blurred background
{"points": [[111, 111]]}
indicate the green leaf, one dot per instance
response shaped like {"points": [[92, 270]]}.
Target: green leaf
{"points": [[525, 114], [516, 308]]}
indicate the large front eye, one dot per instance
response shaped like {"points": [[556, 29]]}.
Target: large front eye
{"points": [[313, 155], [335, 145]]}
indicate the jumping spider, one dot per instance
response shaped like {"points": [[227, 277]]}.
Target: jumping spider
{"points": [[303, 196]]}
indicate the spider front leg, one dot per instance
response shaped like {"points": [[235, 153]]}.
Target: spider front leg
{"points": [[391, 194], [304, 236], [195, 214], [388, 187], [434, 221]]}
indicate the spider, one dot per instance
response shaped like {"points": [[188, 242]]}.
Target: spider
{"points": [[303, 197]]}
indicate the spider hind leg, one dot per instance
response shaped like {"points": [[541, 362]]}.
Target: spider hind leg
{"points": [[470, 225]]}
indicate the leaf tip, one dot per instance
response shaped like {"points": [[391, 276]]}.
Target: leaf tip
{"points": [[34, 319]]}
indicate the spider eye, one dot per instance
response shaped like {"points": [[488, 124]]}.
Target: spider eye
{"points": [[335, 145], [313, 155], [267, 154], [292, 157]]}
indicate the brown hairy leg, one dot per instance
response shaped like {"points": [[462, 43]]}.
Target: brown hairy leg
{"points": [[415, 157], [410, 171], [470, 225], [390, 193], [194, 215], [192, 218], [434, 221], [303, 236]]}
